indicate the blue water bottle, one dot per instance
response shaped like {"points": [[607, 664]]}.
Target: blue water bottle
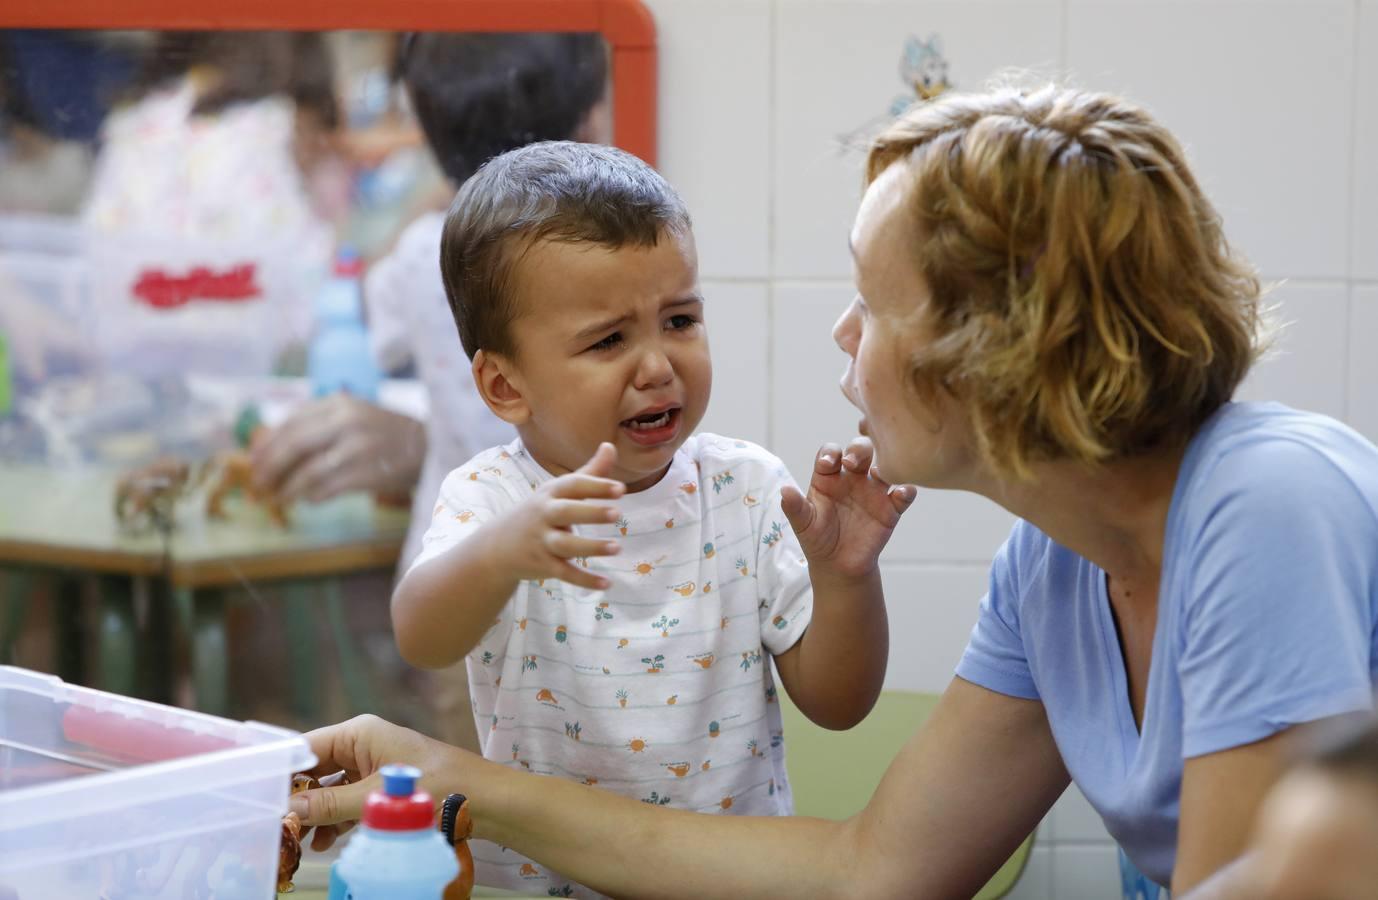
{"points": [[339, 358], [397, 853]]}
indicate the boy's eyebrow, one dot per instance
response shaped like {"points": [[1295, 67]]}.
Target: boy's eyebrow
{"points": [[683, 301], [599, 327], [609, 324]]}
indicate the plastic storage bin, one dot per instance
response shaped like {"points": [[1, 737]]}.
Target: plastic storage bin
{"points": [[106, 797]]}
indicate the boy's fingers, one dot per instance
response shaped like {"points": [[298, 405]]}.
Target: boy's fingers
{"points": [[580, 486], [602, 461], [796, 508], [572, 574], [828, 460], [902, 496], [876, 477], [563, 513], [857, 457], [567, 545]]}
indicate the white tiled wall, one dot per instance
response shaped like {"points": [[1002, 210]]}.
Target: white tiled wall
{"points": [[1260, 93], [836, 74], [1275, 100], [1364, 257]]}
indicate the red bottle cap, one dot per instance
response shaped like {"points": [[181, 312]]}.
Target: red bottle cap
{"points": [[399, 806], [348, 264]]}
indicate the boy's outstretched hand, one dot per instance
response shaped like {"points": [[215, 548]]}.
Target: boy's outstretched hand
{"points": [[849, 512], [542, 540]]}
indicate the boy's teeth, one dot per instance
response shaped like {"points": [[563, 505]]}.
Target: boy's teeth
{"points": [[658, 421]]}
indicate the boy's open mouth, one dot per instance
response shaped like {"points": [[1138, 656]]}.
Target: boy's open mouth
{"points": [[654, 427]]}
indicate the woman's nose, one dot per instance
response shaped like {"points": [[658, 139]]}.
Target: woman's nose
{"points": [[847, 329]]}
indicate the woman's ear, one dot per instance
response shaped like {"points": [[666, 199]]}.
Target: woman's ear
{"points": [[499, 384]]}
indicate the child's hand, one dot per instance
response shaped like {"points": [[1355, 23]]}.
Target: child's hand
{"points": [[849, 513], [539, 532]]}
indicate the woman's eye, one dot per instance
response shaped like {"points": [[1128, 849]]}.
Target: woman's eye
{"points": [[608, 342], [683, 321]]}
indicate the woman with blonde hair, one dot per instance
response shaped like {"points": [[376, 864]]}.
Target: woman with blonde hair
{"points": [[1049, 315]]}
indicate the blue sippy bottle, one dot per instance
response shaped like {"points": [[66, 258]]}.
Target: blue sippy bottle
{"points": [[339, 357], [397, 853]]}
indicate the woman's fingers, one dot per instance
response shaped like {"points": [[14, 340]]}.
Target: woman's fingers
{"points": [[331, 806]]}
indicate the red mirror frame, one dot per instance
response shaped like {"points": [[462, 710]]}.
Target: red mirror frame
{"points": [[626, 25]]}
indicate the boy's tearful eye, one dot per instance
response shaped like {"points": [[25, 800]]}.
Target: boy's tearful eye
{"points": [[683, 321], [608, 342]]}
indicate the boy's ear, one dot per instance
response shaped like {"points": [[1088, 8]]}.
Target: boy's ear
{"points": [[500, 386]]}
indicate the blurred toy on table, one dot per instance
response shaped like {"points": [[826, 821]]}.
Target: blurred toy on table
{"points": [[146, 498]]}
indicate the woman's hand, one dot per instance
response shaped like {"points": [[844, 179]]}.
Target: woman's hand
{"points": [[338, 444], [849, 512], [359, 748]]}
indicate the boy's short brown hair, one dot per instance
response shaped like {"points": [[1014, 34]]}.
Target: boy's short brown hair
{"points": [[1086, 303], [552, 191]]}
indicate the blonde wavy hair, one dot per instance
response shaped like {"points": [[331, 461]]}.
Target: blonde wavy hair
{"points": [[1085, 301]]}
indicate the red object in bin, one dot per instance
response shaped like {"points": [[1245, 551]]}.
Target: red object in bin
{"points": [[133, 740]]}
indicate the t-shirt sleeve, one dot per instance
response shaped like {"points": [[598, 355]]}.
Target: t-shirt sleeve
{"points": [[786, 604], [995, 657], [385, 297], [469, 498], [1277, 625]]}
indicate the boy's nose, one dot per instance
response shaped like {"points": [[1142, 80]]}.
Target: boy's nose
{"points": [[655, 369]]}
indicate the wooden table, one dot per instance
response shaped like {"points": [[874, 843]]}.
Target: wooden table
{"points": [[63, 521]]}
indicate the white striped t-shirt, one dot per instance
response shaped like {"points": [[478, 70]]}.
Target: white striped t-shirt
{"points": [[660, 687]]}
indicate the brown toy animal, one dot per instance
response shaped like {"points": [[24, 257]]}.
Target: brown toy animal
{"points": [[236, 471], [289, 851], [145, 497]]}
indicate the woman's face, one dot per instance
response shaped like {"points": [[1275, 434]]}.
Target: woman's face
{"points": [[922, 439]]}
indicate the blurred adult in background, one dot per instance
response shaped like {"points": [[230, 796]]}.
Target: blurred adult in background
{"points": [[215, 159], [475, 96], [55, 90]]}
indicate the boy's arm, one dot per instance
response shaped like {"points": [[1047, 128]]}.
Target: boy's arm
{"points": [[443, 606], [835, 671]]}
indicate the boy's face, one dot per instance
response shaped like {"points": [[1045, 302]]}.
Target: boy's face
{"points": [[611, 347]]}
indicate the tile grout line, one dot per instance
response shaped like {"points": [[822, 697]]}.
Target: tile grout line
{"points": [[772, 238], [1351, 232]]}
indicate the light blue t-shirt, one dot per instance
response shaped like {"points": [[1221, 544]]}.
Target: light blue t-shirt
{"points": [[1267, 606]]}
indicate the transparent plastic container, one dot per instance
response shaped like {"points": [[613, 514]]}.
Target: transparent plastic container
{"points": [[103, 796]]}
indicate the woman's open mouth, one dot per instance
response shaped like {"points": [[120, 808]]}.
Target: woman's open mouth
{"points": [[654, 427]]}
